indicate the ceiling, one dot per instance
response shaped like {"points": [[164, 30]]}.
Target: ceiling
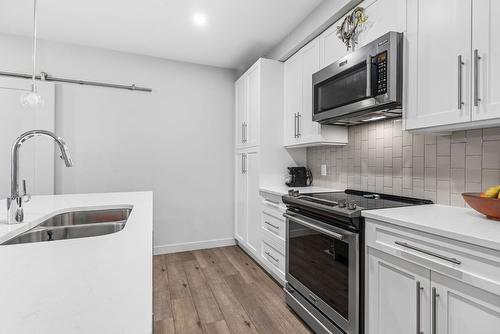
{"points": [[235, 34]]}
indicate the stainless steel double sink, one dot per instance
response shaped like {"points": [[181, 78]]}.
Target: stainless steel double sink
{"points": [[74, 225]]}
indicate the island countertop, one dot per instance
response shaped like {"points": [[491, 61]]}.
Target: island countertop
{"points": [[98, 284]]}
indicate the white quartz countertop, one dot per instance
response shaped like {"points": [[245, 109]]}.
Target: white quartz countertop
{"points": [[99, 284], [281, 190], [457, 223]]}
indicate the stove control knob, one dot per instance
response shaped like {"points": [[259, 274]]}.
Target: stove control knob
{"points": [[342, 203], [352, 205]]}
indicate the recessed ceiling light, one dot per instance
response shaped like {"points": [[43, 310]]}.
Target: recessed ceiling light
{"points": [[200, 19]]}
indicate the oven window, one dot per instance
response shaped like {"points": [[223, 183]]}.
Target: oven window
{"points": [[321, 263], [345, 88]]}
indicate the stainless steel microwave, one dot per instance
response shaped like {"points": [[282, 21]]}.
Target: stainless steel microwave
{"points": [[364, 86]]}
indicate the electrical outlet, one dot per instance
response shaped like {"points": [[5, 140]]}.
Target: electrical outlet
{"points": [[323, 170]]}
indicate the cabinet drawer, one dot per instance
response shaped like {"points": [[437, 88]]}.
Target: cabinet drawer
{"points": [[469, 263], [273, 224], [273, 256]]}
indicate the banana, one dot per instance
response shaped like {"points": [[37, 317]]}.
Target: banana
{"points": [[493, 192]]}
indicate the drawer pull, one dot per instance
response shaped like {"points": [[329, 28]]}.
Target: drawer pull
{"points": [[272, 225], [418, 249], [272, 257]]}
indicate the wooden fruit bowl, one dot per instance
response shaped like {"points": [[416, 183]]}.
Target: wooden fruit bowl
{"points": [[487, 206]]}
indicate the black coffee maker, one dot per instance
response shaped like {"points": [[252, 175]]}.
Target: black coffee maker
{"points": [[299, 177]]}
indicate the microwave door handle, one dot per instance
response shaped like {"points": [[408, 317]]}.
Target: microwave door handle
{"points": [[369, 76]]}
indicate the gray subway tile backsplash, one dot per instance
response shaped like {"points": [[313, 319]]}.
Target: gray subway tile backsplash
{"points": [[380, 157]]}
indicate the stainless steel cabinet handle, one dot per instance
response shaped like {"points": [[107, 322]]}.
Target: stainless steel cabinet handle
{"points": [[243, 164], [419, 318], [272, 225], [421, 250], [460, 66], [295, 125], [314, 227], [476, 78], [298, 124], [435, 296], [272, 257], [243, 132], [245, 169]]}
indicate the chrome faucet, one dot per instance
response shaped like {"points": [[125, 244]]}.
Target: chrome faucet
{"points": [[15, 201]]}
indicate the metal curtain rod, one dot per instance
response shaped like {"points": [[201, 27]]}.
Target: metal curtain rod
{"points": [[45, 77]]}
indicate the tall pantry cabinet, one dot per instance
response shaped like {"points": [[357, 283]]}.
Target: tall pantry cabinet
{"points": [[260, 157]]}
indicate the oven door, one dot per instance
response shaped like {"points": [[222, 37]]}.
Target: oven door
{"points": [[322, 264]]}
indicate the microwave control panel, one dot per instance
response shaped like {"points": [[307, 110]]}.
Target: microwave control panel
{"points": [[381, 60]]}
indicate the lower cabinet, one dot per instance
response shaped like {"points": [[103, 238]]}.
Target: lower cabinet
{"points": [[462, 308], [247, 209], [410, 291], [398, 296]]}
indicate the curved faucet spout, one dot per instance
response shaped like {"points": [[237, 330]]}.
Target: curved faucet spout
{"points": [[15, 201]]}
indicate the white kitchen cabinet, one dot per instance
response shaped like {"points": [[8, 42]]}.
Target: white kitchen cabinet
{"points": [[486, 58], [453, 72], [439, 38], [460, 281], [300, 129], [293, 97], [240, 90], [460, 308], [241, 198], [247, 89], [260, 157], [397, 296], [253, 200], [247, 219]]}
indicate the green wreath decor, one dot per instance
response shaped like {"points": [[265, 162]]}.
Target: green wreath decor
{"points": [[349, 29]]}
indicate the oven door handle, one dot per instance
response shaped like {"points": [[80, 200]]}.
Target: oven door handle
{"points": [[332, 234]]}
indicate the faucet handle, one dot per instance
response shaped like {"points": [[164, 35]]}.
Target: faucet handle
{"points": [[25, 196]]}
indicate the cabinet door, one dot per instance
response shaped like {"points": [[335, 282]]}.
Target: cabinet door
{"points": [[398, 295], [439, 34], [253, 105], [241, 209], [253, 201], [460, 308], [331, 47], [241, 110], [293, 97], [486, 58], [310, 65]]}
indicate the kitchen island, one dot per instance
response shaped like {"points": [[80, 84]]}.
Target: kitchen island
{"points": [[97, 284]]}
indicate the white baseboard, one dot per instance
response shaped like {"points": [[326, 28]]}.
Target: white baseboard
{"points": [[190, 246]]}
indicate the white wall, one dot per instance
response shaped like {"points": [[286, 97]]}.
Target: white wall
{"points": [[176, 141]]}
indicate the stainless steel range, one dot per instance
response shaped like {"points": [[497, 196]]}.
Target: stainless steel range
{"points": [[325, 258]]}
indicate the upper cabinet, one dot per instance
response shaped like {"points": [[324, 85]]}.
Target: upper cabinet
{"points": [[486, 59], [453, 73], [300, 130], [247, 108]]}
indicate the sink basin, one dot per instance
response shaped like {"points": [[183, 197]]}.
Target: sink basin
{"points": [[73, 225]]}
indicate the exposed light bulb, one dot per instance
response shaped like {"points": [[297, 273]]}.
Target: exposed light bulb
{"points": [[32, 99]]}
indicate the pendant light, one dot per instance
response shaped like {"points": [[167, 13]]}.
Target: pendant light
{"points": [[32, 99]]}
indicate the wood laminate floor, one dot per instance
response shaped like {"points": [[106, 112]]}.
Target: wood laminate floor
{"points": [[219, 290]]}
